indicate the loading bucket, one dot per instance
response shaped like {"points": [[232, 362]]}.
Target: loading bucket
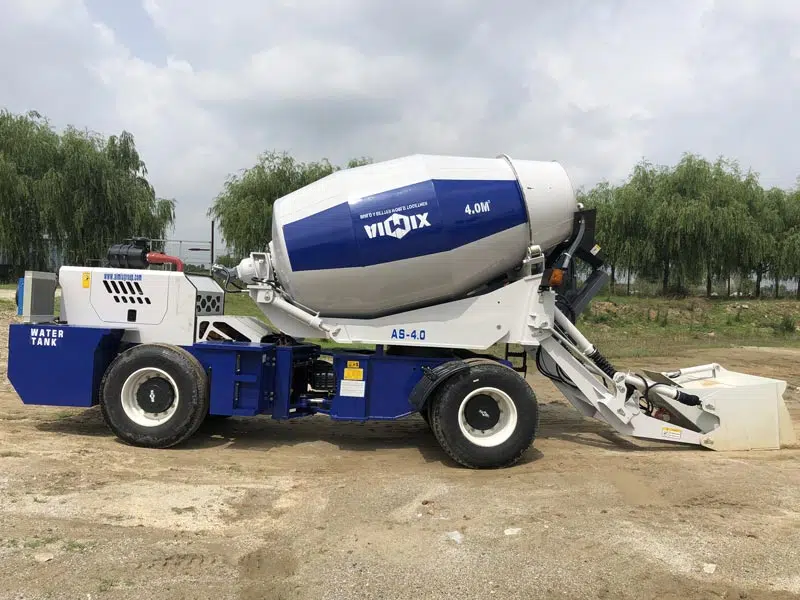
{"points": [[750, 410]]}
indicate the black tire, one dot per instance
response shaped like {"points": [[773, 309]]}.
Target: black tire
{"points": [[192, 395], [211, 417], [425, 414], [501, 381]]}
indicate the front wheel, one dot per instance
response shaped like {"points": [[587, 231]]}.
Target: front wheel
{"points": [[154, 395], [486, 416]]}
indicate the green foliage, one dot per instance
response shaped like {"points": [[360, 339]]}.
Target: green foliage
{"points": [[74, 192], [786, 326], [698, 222], [244, 208], [227, 261]]}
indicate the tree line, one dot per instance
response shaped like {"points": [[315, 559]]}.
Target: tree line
{"points": [[694, 223], [697, 222], [243, 209], [72, 193]]}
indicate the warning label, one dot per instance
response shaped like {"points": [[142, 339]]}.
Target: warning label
{"points": [[354, 374], [352, 389]]}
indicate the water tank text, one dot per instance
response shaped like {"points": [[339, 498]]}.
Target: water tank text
{"points": [[45, 337]]}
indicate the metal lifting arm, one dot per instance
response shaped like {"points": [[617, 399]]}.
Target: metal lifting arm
{"points": [[641, 384], [722, 410]]}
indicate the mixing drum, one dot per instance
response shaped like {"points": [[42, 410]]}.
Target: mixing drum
{"points": [[403, 233]]}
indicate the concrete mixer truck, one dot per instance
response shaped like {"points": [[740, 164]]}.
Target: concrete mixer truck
{"points": [[430, 262]]}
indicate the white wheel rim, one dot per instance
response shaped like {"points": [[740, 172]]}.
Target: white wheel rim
{"points": [[501, 431], [130, 404]]}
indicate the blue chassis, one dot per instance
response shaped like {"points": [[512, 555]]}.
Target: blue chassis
{"points": [[63, 365]]}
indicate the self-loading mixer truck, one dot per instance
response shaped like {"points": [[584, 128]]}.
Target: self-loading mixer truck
{"points": [[432, 263]]}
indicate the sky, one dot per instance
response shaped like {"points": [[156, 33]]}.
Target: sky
{"points": [[206, 86]]}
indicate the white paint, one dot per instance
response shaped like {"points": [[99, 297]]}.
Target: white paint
{"points": [[166, 302], [130, 401], [516, 313], [506, 423]]}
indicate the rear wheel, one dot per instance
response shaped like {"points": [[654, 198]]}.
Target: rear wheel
{"points": [[485, 417], [425, 414], [154, 395]]}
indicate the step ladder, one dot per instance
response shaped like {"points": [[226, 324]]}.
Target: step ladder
{"points": [[521, 354]]}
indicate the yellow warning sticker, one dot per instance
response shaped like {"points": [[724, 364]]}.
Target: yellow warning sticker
{"points": [[86, 279], [353, 364], [352, 374], [672, 433]]}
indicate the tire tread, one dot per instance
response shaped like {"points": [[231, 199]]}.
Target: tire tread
{"points": [[199, 400], [459, 449]]}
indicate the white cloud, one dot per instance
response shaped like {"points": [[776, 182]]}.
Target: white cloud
{"points": [[594, 85]]}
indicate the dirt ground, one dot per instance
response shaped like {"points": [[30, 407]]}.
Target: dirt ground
{"points": [[257, 509]]}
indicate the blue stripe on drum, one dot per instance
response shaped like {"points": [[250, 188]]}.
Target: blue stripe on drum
{"points": [[415, 220]]}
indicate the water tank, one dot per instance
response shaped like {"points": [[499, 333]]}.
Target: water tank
{"points": [[413, 231]]}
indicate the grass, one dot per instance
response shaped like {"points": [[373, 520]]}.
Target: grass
{"points": [[76, 546], [630, 326], [38, 542], [241, 305]]}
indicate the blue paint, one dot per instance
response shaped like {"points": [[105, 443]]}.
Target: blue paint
{"points": [[507, 209], [415, 220], [327, 234], [20, 297], [269, 381], [290, 399], [62, 365], [122, 277], [238, 380], [409, 334], [388, 381], [59, 365], [248, 379]]}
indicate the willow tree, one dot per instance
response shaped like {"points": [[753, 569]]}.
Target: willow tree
{"points": [[656, 220], [28, 150], [696, 221], [739, 241], [102, 196], [75, 193], [767, 210], [718, 232], [619, 220], [244, 207], [790, 254], [786, 235]]}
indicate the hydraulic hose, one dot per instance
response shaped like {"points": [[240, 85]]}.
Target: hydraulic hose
{"points": [[566, 257], [602, 363]]}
